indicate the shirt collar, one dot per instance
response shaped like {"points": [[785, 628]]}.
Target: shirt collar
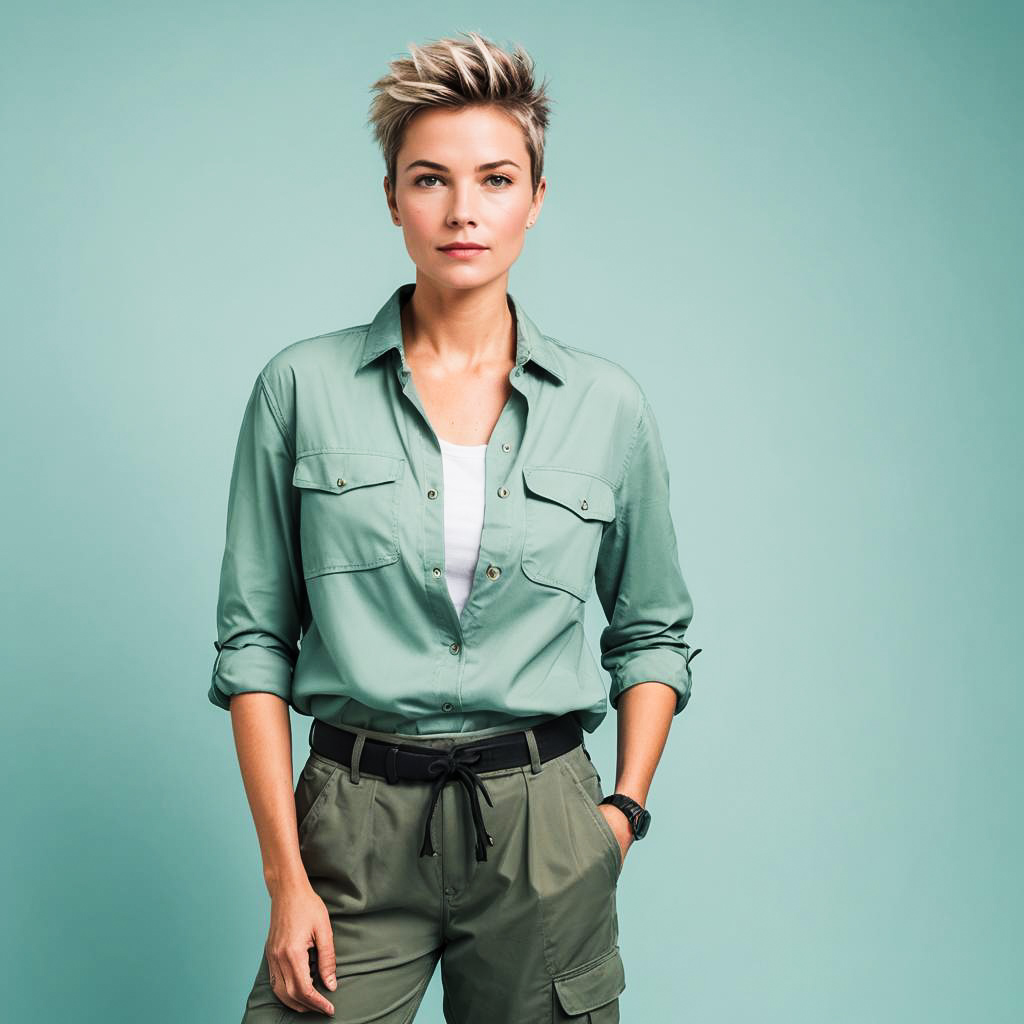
{"points": [[385, 333]]}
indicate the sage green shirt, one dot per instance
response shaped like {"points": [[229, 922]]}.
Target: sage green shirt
{"points": [[332, 587]]}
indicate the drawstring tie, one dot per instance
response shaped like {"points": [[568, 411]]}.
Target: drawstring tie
{"points": [[456, 765]]}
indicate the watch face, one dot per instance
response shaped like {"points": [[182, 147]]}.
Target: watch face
{"points": [[643, 823]]}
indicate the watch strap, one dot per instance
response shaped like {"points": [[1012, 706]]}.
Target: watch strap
{"points": [[633, 811]]}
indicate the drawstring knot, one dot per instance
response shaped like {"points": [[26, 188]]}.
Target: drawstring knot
{"points": [[456, 765]]}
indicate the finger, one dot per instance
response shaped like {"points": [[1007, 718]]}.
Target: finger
{"points": [[301, 989], [278, 983], [291, 981], [327, 964]]}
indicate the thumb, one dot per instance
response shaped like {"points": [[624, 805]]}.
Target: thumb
{"points": [[323, 936]]}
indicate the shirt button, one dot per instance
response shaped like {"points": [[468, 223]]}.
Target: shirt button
{"points": [[341, 481], [432, 493], [506, 447], [437, 572], [447, 706], [454, 648], [502, 492], [493, 572]]}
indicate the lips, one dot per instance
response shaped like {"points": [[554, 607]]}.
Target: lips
{"points": [[451, 246]]}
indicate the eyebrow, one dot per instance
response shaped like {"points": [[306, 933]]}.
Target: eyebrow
{"points": [[441, 167]]}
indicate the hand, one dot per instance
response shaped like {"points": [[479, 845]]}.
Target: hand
{"points": [[619, 824], [299, 920]]}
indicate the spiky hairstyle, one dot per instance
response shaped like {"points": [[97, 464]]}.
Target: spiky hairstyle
{"points": [[454, 73]]}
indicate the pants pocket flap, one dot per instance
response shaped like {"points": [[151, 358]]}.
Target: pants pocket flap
{"points": [[592, 986]]}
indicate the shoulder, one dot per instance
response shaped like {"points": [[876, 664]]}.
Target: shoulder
{"points": [[303, 370], [310, 356], [601, 377]]}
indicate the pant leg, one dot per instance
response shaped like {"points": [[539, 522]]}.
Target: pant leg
{"points": [[389, 995], [359, 841], [531, 934], [359, 838]]}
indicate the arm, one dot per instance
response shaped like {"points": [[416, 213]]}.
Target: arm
{"points": [[262, 592], [648, 608], [260, 610]]}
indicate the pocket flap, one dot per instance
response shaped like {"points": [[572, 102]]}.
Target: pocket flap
{"points": [[588, 496], [592, 986], [341, 471]]}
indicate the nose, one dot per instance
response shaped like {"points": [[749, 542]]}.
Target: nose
{"points": [[461, 209]]}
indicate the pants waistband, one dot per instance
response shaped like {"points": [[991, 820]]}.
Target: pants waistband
{"points": [[462, 762]]}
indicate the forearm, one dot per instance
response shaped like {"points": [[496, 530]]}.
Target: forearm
{"points": [[645, 712], [263, 739]]}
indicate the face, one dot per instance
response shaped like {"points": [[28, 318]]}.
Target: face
{"points": [[463, 176]]}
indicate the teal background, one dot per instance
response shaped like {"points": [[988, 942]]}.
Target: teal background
{"points": [[798, 224]]}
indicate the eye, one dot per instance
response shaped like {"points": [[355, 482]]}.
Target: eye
{"points": [[503, 180]]}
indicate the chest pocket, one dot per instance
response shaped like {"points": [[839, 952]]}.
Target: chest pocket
{"points": [[348, 515], [565, 515]]}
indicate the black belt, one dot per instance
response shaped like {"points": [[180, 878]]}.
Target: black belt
{"points": [[408, 761]]}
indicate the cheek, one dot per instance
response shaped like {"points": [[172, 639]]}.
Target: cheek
{"points": [[419, 215], [416, 220], [509, 227]]}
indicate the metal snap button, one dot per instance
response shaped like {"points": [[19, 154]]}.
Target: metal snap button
{"points": [[432, 493], [502, 492], [584, 505], [493, 572], [506, 447], [341, 481], [437, 572], [454, 648]]}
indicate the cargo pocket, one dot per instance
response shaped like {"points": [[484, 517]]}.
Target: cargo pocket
{"points": [[590, 994], [566, 510], [348, 515]]}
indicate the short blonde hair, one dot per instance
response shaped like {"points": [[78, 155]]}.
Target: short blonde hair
{"points": [[454, 73]]}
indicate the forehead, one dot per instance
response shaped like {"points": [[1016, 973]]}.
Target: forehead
{"points": [[468, 136]]}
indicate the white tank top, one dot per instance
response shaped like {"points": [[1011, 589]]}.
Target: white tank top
{"points": [[463, 469]]}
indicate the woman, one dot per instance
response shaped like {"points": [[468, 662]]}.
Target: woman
{"points": [[426, 500]]}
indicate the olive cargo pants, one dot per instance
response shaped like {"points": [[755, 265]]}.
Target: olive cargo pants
{"points": [[527, 936]]}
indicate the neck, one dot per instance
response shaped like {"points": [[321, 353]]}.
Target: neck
{"points": [[459, 328]]}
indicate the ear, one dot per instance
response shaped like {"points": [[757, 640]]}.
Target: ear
{"points": [[538, 201], [392, 207]]}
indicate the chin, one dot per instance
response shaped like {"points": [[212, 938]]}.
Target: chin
{"points": [[464, 277]]}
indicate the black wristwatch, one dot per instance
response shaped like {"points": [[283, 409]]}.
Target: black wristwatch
{"points": [[639, 819]]}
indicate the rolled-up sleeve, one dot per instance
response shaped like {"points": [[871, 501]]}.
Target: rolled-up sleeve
{"points": [[638, 578], [262, 591]]}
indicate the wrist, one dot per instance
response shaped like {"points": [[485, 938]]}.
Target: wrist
{"points": [[637, 793], [278, 880], [636, 814]]}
